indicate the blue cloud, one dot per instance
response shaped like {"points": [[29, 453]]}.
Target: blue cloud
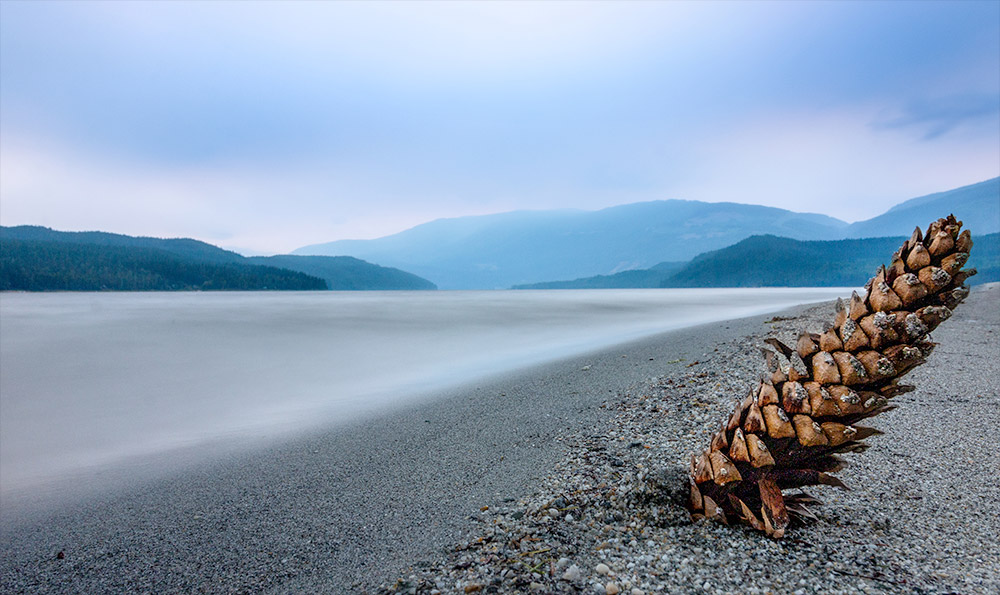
{"points": [[937, 117], [483, 104]]}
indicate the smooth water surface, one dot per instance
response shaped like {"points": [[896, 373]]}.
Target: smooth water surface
{"points": [[92, 379]]}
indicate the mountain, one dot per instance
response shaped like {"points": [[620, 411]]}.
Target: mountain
{"points": [[343, 273], [38, 258], [763, 261], [183, 247], [637, 278], [601, 248], [976, 204], [40, 265], [769, 261], [497, 251]]}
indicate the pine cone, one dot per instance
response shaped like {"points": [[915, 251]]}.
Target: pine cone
{"points": [[786, 433]]}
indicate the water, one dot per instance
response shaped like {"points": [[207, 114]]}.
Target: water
{"points": [[96, 379]]}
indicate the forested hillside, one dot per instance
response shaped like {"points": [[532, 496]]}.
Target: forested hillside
{"points": [[639, 278], [182, 247], [766, 261], [771, 261], [41, 259], [344, 273], [34, 265]]}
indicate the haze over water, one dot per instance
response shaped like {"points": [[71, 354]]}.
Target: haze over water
{"points": [[92, 380]]}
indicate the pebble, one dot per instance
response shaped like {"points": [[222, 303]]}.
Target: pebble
{"points": [[573, 573], [612, 589], [602, 568]]}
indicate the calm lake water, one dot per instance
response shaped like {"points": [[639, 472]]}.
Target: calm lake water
{"points": [[95, 379]]}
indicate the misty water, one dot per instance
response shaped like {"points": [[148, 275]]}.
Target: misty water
{"points": [[97, 380]]}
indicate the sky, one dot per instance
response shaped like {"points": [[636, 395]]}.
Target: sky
{"points": [[263, 127]]}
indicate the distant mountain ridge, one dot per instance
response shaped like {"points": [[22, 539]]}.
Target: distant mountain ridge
{"points": [[976, 204], [34, 258], [497, 251], [622, 246], [530, 247]]}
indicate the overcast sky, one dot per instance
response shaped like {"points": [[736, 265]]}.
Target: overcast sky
{"points": [[264, 126]]}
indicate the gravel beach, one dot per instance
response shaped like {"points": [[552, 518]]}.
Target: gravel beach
{"points": [[542, 481]]}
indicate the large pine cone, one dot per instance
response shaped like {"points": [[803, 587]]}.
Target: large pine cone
{"points": [[787, 431]]}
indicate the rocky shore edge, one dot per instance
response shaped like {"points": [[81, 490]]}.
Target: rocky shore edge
{"points": [[608, 517]]}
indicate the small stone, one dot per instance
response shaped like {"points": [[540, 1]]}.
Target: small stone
{"points": [[637, 591], [535, 586], [553, 513], [612, 589], [572, 573], [569, 518], [562, 563], [602, 569]]}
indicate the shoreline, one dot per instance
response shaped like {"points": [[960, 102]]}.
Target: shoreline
{"points": [[432, 464], [356, 506], [610, 517], [101, 385]]}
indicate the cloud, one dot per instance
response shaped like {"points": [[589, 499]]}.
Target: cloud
{"points": [[47, 184], [832, 162], [405, 40], [271, 125], [243, 206], [939, 116]]}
